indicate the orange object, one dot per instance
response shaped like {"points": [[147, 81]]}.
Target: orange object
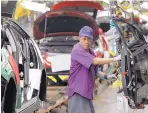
{"points": [[124, 73], [47, 64]]}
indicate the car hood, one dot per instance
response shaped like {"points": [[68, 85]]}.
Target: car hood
{"points": [[89, 7], [76, 4], [62, 23]]}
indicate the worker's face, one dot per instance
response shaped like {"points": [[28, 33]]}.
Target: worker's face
{"points": [[85, 42]]}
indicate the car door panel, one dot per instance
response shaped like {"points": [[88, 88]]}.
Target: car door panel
{"points": [[34, 71], [34, 80], [134, 63]]}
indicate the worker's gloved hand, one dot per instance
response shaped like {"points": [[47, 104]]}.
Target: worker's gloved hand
{"points": [[110, 77], [117, 58]]}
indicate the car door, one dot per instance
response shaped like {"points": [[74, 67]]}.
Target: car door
{"points": [[12, 49], [29, 60], [134, 63], [139, 71], [23, 62], [35, 71]]}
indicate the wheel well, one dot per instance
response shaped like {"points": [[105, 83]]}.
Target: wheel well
{"points": [[42, 94], [10, 97]]}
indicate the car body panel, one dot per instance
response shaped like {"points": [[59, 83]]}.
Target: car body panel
{"points": [[87, 4], [6, 68], [17, 60], [53, 47], [69, 23], [38, 51], [134, 63], [61, 26], [21, 51], [88, 7]]}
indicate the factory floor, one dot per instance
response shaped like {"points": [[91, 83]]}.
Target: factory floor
{"points": [[106, 101]]}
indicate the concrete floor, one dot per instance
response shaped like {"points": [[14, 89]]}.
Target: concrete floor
{"points": [[106, 101]]}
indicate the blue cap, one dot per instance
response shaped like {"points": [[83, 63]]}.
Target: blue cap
{"points": [[86, 31]]}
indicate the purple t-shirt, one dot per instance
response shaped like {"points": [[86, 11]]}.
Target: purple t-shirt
{"points": [[82, 72]]}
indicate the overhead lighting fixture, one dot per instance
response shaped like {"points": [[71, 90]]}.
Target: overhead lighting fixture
{"points": [[102, 13], [106, 1], [144, 5], [34, 6]]}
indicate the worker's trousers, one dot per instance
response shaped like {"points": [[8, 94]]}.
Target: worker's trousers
{"points": [[80, 104]]}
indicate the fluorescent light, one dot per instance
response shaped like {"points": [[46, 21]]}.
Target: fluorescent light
{"points": [[144, 5], [35, 6], [102, 13], [107, 1]]}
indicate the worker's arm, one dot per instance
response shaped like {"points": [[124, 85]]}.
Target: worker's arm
{"points": [[102, 61]]}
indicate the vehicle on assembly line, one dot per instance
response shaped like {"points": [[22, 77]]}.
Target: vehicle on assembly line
{"points": [[57, 32], [134, 63], [92, 8], [23, 77]]}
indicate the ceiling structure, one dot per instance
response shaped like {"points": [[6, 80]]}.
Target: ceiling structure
{"points": [[139, 6], [140, 9]]}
